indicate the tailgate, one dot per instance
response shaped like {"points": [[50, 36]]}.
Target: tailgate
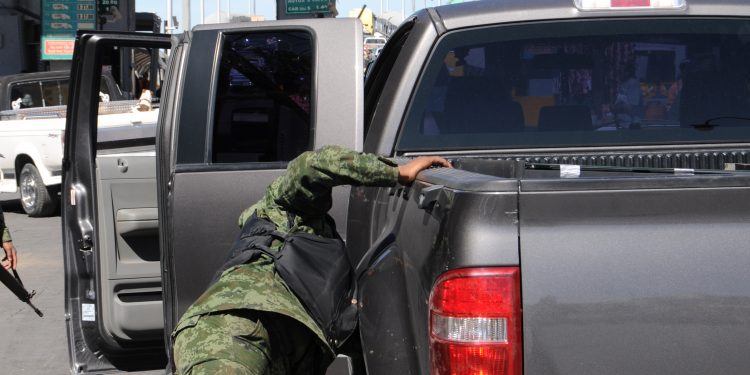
{"points": [[636, 275]]}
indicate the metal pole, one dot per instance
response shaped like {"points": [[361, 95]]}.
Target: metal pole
{"points": [[203, 16], [186, 15], [168, 28], [218, 9], [403, 9]]}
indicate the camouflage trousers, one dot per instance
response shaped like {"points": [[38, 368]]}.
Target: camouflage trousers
{"points": [[246, 342]]}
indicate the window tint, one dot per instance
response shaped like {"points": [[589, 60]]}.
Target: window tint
{"points": [[584, 83], [263, 98]]}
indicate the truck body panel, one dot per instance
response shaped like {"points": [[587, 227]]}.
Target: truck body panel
{"points": [[622, 279]]}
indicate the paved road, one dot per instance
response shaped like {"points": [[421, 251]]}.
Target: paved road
{"points": [[29, 344]]}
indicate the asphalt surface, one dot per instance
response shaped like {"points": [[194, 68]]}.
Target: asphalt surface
{"points": [[30, 344]]}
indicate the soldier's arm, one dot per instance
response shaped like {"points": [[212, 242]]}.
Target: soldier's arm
{"points": [[10, 260], [306, 185], [332, 166]]}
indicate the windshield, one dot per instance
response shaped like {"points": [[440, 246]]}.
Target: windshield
{"points": [[584, 83]]}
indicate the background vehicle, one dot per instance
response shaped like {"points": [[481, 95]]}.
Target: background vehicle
{"points": [[374, 42], [32, 121], [591, 233]]}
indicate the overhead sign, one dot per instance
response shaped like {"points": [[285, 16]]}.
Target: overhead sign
{"points": [[306, 6], [60, 21]]}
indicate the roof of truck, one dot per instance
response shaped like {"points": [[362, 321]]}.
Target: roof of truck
{"points": [[4, 80], [492, 12]]}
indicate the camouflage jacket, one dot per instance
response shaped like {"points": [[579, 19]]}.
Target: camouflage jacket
{"points": [[3, 228], [304, 190]]}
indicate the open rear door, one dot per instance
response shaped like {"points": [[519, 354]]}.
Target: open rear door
{"points": [[113, 299], [249, 98]]}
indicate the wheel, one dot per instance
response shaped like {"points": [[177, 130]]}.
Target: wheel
{"points": [[35, 198]]}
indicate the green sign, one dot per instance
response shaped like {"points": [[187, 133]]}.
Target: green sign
{"points": [[60, 21], [306, 6]]}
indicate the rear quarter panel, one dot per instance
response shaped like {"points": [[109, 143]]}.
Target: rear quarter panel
{"points": [[474, 224]]}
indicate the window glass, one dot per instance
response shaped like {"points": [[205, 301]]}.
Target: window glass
{"points": [[584, 83], [263, 97], [63, 92], [129, 92], [26, 95], [52, 93]]}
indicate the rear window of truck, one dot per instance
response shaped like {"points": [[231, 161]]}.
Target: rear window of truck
{"points": [[584, 83]]}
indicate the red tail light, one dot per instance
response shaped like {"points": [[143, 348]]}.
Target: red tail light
{"points": [[475, 322]]}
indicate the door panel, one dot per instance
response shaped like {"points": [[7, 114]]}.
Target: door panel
{"points": [[235, 129], [207, 188], [129, 258], [110, 234]]}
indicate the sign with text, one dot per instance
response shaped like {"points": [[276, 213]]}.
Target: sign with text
{"points": [[306, 6], [60, 21]]}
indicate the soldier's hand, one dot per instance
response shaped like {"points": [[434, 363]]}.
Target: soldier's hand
{"points": [[11, 259], [407, 173]]}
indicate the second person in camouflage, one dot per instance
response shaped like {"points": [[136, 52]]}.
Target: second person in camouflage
{"points": [[10, 261], [249, 321]]}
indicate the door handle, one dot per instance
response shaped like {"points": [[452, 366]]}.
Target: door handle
{"points": [[122, 165]]}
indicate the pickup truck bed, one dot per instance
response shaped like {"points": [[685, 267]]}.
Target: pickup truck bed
{"points": [[619, 269]]}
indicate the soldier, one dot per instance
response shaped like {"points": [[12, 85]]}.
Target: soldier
{"points": [[10, 261], [250, 321]]}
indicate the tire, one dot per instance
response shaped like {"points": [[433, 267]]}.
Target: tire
{"points": [[36, 200]]}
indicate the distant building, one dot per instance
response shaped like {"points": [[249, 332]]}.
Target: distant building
{"points": [[19, 37]]}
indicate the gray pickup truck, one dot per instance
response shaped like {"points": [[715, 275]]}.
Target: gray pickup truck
{"points": [[596, 220]]}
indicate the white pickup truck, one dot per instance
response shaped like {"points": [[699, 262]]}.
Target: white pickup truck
{"points": [[31, 147], [32, 123]]}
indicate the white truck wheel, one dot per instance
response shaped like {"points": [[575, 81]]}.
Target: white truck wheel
{"points": [[36, 200]]}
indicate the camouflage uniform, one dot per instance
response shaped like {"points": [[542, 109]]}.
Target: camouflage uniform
{"points": [[5, 230], [231, 327]]}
